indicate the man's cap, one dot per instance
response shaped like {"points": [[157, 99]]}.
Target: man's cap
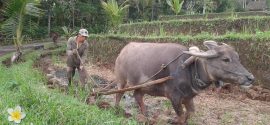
{"points": [[83, 32]]}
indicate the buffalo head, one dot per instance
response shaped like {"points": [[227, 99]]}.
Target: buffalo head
{"points": [[222, 63]]}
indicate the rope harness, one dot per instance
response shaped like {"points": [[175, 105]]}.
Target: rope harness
{"points": [[196, 82], [163, 66]]}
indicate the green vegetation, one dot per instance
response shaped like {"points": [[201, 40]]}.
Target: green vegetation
{"points": [[226, 118], [176, 5], [68, 32], [190, 27], [77, 14], [16, 10], [24, 85], [228, 36], [212, 15], [114, 11]]}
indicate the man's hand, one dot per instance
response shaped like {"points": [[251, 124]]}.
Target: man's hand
{"points": [[74, 51], [81, 67]]}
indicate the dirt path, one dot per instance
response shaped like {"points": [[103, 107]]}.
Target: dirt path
{"points": [[211, 108], [11, 48]]}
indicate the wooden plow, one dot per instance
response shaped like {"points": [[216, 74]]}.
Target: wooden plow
{"points": [[146, 84]]}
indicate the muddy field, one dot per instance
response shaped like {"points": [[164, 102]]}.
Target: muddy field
{"points": [[230, 107], [233, 106]]}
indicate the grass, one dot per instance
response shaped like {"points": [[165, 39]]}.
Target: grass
{"points": [[226, 118], [201, 21], [193, 27], [23, 85], [229, 36], [212, 15]]}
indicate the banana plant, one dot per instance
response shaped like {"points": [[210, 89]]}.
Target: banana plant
{"points": [[114, 11], [12, 27], [67, 32], [176, 5]]}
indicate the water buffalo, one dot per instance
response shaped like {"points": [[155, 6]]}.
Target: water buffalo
{"points": [[137, 62]]}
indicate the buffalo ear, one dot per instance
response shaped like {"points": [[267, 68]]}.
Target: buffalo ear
{"points": [[210, 44]]}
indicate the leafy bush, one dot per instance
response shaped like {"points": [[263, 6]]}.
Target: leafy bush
{"points": [[68, 32]]}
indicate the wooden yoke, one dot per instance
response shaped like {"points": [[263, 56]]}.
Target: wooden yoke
{"points": [[192, 58]]}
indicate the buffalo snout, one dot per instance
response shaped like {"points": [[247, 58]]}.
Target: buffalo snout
{"points": [[248, 82], [251, 78]]}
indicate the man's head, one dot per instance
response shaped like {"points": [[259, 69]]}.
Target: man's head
{"points": [[83, 34]]}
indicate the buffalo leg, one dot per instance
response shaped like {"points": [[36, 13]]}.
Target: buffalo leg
{"points": [[118, 96], [139, 99], [177, 106], [189, 104]]}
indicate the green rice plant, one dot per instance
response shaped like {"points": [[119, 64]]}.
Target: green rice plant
{"points": [[161, 31]]}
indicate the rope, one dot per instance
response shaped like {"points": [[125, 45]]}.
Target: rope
{"points": [[163, 66]]}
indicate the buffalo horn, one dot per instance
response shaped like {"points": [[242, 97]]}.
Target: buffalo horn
{"points": [[210, 44], [207, 54]]}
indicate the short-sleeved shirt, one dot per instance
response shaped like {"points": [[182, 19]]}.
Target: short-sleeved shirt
{"points": [[72, 59]]}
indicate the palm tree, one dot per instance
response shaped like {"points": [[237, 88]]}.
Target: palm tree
{"points": [[143, 5], [16, 10], [48, 6], [176, 5], [114, 11]]}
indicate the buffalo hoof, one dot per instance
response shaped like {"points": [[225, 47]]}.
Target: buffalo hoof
{"points": [[141, 118], [175, 121]]}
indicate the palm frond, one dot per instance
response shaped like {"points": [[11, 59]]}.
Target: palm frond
{"points": [[124, 7], [176, 5], [15, 11], [8, 28], [13, 7], [169, 2], [114, 11], [33, 10]]}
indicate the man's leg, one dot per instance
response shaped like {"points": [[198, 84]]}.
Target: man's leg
{"points": [[70, 74]]}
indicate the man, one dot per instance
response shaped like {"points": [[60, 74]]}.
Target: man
{"points": [[77, 48], [54, 36]]}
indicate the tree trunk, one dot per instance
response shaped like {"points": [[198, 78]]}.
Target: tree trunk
{"points": [[204, 6], [73, 18], [17, 55], [18, 42], [49, 22], [152, 13], [81, 22]]}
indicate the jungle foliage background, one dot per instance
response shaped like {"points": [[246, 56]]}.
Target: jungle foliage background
{"points": [[89, 14]]}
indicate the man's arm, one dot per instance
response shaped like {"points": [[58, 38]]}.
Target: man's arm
{"points": [[69, 47]]}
